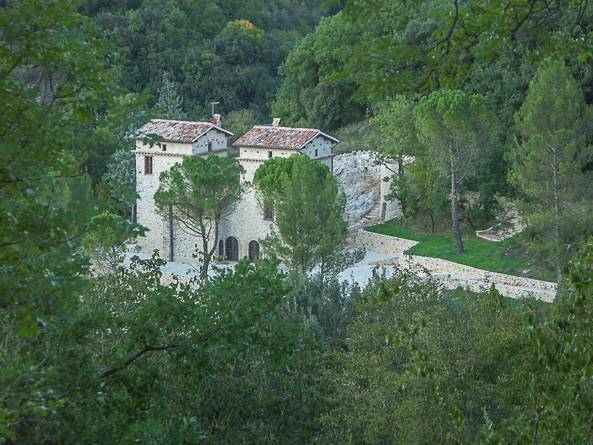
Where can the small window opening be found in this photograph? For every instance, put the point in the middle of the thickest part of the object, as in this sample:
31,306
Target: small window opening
147,165
268,211
315,152
270,154
209,146
164,147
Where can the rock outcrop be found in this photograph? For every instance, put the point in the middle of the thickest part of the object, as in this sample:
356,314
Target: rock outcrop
359,176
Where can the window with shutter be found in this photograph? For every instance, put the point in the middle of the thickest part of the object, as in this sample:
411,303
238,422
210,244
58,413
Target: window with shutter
147,165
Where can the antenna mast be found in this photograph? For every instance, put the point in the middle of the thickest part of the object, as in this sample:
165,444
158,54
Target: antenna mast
212,104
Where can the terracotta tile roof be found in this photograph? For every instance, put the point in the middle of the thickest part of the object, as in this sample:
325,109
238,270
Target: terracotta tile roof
265,136
178,131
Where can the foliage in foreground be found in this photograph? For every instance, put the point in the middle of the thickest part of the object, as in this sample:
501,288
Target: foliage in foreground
308,214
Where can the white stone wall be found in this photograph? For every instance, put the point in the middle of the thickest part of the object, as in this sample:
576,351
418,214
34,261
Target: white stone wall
165,147
216,137
384,244
247,223
261,155
321,144
146,187
158,236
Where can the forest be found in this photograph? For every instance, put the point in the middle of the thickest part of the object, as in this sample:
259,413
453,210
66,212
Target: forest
484,105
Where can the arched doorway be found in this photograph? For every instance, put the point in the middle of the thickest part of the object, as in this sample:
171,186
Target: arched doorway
253,251
231,247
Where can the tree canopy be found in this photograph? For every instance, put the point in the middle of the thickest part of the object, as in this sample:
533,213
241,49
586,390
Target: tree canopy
308,213
196,195
549,162
456,128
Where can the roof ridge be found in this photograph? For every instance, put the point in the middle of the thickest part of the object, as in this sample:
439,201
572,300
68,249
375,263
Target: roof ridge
179,120
286,128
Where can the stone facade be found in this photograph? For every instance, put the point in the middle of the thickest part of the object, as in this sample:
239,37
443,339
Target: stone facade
246,223
163,156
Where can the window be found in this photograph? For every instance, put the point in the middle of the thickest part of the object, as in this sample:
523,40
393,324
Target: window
221,249
164,147
270,154
316,153
232,249
209,146
253,251
268,211
147,165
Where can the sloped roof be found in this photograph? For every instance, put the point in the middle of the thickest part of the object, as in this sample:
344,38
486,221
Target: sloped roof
265,136
178,131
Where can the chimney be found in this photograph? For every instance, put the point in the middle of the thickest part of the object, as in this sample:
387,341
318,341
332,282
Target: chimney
276,122
215,119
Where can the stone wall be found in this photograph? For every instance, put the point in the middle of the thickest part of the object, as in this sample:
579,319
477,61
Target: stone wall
453,274
384,244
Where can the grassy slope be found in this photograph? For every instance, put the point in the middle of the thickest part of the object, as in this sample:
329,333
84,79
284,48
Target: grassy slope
478,252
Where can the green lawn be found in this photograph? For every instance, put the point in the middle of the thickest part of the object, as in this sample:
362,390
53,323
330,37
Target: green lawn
478,253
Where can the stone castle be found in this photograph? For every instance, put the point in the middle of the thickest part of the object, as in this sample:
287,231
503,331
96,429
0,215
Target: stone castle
242,230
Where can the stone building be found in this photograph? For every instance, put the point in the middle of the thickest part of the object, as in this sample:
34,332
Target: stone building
240,233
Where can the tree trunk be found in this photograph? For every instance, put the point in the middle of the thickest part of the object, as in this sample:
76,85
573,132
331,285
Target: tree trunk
171,241
205,253
557,234
455,212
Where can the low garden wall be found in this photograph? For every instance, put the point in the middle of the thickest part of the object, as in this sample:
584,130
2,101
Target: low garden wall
384,244
453,274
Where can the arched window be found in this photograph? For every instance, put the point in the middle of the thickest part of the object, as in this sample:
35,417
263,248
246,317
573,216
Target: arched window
253,251
231,248
221,248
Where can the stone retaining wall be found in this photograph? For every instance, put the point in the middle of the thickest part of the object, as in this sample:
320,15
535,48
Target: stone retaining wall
453,274
384,244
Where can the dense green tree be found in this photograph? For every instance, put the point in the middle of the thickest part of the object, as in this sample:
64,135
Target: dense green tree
56,88
310,94
427,44
424,191
457,129
119,181
396,135
549,162
196,195
424,365
560,390
169,105
203,48
240,122
308,213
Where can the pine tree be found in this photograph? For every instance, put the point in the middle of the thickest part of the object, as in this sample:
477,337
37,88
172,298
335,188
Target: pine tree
554,123
169,104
